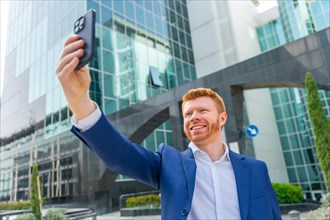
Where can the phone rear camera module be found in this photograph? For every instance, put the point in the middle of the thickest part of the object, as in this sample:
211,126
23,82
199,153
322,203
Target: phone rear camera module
79,25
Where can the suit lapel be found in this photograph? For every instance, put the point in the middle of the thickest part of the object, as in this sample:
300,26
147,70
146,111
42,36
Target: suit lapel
242,176
189,166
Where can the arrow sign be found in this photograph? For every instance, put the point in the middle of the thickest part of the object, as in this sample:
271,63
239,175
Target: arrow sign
251,131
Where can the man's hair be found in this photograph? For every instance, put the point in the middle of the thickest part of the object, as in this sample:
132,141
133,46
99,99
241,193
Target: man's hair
204,92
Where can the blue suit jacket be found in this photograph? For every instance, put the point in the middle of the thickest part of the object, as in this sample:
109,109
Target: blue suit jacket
173,173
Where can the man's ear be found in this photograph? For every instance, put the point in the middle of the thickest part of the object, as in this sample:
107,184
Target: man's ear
223,118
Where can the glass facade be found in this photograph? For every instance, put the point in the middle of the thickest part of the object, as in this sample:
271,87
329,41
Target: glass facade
297,19
300,18
271,35
297,138
143,48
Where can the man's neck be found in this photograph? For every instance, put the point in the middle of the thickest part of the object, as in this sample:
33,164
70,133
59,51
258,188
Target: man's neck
215,150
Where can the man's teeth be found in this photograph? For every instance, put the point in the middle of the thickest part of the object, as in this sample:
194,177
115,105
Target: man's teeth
197,127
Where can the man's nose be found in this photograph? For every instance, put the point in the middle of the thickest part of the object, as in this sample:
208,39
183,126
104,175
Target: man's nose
194,116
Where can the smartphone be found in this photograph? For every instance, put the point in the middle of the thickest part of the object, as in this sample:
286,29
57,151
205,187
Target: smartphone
85,28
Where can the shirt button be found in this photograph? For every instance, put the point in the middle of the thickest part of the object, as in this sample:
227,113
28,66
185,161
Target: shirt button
184,212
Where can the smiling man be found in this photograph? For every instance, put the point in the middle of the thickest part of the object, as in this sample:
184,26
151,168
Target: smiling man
206,181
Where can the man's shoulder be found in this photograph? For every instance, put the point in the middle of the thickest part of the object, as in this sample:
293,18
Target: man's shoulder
168,149
246,159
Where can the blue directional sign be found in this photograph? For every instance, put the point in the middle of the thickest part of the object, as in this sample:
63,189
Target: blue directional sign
251,131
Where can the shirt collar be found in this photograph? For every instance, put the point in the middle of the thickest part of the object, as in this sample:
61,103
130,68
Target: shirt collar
195,149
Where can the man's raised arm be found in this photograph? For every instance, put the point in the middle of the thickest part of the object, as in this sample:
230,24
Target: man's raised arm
75,83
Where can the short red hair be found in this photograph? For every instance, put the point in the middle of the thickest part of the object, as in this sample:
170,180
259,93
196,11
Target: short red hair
204,92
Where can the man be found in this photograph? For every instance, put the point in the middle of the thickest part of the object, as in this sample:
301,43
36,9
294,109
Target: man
206,181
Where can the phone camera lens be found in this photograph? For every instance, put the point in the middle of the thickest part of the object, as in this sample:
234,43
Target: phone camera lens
76,29
76,23
82,21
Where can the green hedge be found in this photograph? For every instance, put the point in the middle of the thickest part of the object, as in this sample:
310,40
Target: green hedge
28,216
287,193
143,201
21,205
55,214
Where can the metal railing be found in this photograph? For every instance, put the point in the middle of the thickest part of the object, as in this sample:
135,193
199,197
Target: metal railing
124,197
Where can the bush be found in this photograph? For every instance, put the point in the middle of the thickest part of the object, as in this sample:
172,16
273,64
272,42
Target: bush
28,216
320,213
55,214
287,193
143,201
20,205
325,201
323,212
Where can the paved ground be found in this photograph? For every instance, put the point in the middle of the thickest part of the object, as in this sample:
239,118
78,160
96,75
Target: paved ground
116,215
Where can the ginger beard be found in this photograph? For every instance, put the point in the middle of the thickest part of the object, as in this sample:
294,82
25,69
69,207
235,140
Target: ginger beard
203,135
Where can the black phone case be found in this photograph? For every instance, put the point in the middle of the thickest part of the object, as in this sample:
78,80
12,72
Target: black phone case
85,28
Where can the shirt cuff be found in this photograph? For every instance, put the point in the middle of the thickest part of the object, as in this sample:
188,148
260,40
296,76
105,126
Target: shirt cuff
87,122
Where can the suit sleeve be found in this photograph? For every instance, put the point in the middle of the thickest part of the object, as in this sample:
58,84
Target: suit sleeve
272,196
121,155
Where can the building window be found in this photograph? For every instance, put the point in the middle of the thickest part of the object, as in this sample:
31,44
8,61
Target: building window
155,79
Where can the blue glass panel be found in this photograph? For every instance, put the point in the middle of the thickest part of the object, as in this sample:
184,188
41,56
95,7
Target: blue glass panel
118,7
95,6
140,16
130,11
109,86
298,158
148,5
110,106
159,26
150,142
260,32
106,17
281,127
292,175
107,3
107,38
288,159
150,21
155,77
302,174
294,143
278,113
285,142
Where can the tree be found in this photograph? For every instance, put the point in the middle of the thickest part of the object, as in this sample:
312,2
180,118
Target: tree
321,126
36,201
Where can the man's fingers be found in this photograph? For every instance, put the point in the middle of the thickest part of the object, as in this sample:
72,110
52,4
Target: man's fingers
71,39
67,60
72,47
71,66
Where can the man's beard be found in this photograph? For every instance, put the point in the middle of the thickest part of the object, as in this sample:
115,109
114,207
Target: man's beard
214,128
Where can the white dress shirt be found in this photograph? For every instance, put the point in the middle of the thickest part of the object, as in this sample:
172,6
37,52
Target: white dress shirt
215,193
87,122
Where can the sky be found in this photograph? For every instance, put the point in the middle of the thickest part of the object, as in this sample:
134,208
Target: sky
3,32
264,5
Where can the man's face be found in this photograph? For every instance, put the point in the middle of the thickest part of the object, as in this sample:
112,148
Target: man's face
202,121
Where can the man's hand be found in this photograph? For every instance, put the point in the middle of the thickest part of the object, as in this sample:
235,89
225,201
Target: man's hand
75,83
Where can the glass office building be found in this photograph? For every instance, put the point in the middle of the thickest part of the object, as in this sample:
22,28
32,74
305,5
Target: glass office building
271,35
143,48
297,19
300,18
297,138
